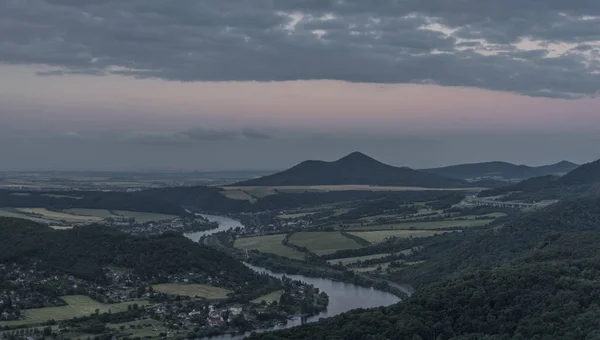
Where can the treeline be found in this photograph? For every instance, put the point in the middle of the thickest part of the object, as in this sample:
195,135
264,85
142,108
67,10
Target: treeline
84,251
89,199
535,278
210,199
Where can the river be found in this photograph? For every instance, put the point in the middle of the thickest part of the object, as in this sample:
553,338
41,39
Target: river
343,297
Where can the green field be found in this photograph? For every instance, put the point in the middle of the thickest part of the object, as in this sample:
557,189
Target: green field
382,235
60,216
9,212
238,195
423,225
275,296
77,306
62,196
322,243
90,212
270,244
349,260
192,290
292,216
149,328
143,217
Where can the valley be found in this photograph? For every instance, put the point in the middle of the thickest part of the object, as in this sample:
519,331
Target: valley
316,243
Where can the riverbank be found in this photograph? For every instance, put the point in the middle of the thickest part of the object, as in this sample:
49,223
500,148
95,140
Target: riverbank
344,295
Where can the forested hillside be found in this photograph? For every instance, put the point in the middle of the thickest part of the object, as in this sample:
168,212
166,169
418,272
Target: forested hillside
355,168
534,278
84,251
502,169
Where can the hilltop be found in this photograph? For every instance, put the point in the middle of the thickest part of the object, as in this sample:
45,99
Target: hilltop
502,170
355,168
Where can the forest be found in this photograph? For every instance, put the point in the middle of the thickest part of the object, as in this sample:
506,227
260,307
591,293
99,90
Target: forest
84,251
534,278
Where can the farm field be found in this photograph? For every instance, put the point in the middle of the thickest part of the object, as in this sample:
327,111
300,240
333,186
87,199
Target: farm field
238,195
62,196
61,227
143,217
424,225
382,235
9,212
101,213
192,290
60,216
291,216
77,306
268,244
149,328
275,296
350,260
372,268
270,190
322,243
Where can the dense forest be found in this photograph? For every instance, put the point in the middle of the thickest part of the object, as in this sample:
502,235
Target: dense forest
201,198
534,278
89,199
84,251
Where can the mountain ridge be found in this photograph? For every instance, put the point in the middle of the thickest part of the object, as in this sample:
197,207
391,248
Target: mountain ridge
355,168
501,169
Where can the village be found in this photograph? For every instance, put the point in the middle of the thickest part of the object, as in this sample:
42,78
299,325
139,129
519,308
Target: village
32,297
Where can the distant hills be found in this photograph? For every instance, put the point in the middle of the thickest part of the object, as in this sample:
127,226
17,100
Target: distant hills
355,168
584,179
501,170
586,174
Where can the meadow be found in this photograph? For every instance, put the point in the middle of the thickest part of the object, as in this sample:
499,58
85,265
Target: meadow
382,235
192,290
350,260
270,244
143,217
60,216
275,296
90,212
423,225
77,306
322,243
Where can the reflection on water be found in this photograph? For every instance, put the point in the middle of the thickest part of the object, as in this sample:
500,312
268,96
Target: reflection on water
225,223
343,297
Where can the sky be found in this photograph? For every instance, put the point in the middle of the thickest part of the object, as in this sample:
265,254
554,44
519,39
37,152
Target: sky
265,84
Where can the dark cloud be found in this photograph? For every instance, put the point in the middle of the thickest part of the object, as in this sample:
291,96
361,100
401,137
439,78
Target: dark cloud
472,43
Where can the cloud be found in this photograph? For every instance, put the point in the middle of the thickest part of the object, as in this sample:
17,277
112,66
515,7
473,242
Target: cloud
536,48
195,135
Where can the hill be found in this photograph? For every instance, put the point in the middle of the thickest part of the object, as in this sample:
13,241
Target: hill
586,174
583,180
535,278
355,168
84,251
502,170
